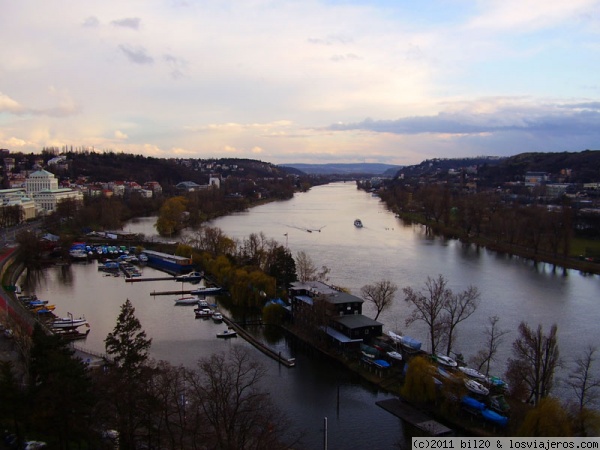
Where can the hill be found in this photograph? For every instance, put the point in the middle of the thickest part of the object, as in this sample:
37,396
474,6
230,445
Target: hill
345,169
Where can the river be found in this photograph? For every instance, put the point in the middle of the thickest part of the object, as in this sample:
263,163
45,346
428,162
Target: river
385,248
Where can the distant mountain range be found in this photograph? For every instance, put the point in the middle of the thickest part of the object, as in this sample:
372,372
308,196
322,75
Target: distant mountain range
345,169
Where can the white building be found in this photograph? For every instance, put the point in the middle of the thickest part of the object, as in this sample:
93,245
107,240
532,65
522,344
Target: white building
39,181
48,199
18,197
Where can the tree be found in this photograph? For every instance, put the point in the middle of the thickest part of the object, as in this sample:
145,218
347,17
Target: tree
129,377
585,386
171,216
381,294
282,267
458,307
547,419
307,271
418,384
429,306
224,392
128,345
536,359
494,338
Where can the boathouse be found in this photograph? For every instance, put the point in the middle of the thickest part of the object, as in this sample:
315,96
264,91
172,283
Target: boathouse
339,314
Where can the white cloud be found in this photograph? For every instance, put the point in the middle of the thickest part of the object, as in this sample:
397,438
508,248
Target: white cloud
120,135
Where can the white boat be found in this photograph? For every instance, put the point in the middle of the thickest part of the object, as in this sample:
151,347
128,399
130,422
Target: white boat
191,300
192,277
217,317
229,333
69,322
206,291
78,253
395,337
445,360
476,387
395,355
358,223
472,373
143,257
202,303
203,312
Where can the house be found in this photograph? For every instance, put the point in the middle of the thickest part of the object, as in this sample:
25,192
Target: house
337,313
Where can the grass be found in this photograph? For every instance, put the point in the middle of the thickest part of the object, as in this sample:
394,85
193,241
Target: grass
586,247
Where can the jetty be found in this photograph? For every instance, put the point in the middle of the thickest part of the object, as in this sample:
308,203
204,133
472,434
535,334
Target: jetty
414,417
138,279
287,362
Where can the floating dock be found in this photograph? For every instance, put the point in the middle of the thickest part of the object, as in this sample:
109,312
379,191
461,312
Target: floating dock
414,417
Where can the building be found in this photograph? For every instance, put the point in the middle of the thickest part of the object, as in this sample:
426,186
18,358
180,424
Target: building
48,200
39,181
18,197
337,313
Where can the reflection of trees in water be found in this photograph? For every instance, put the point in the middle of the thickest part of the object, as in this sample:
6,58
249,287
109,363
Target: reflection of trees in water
66,275
31,279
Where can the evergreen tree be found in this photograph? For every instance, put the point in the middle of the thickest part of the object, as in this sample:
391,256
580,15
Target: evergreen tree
128,345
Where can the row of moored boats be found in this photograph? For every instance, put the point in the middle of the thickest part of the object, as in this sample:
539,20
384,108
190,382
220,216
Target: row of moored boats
67,327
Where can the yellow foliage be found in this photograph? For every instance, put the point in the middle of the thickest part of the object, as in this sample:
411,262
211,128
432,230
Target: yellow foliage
418,384
548,418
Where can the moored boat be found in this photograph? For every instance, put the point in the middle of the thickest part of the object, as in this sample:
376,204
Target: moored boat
228,333
476,387
394,355
206,291
445,360
472,373
203,313
191,300
358,223
217,317
68,322
409,344
192,277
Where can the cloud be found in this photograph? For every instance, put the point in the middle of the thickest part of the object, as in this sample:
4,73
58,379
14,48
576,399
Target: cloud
565,119
331,40
129,22
346,57
91,22
137,55
66,106
120,135
9,105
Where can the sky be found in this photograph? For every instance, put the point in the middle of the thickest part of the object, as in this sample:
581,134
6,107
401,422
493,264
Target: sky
301,81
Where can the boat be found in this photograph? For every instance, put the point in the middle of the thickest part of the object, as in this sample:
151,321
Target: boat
498,383
142,258
472,373
395,337
191,300
166,262
494,417
368,351
217,317
476,387
78,254
203,313
228,333
445,360
472,404
358,223
409,344
394,355
192,277
69,322
202,303
381,363
206,291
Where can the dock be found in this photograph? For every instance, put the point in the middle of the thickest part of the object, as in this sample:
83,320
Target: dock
287,362
137,279
414,417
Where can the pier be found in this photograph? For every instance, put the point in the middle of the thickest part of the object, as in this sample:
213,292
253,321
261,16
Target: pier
414,417
287,362
137,279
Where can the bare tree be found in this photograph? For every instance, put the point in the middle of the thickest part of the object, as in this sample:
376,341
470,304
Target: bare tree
582,380
536,359
494,338
381,294
238,415
308,271
429,307
459,307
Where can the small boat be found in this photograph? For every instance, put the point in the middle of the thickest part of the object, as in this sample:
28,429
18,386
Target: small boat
206,291
192,277
409,344
142,257
476,388
358,223
395,337
202,303
69,322
368,352
217,317
494,417
472,373
191,300
445,360
395,355
498,383
203,313
381,363
472,404
229,333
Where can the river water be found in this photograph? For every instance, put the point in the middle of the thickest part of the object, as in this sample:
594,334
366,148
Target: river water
320,223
